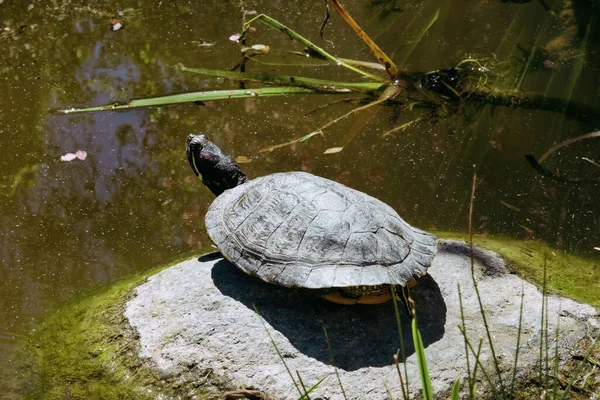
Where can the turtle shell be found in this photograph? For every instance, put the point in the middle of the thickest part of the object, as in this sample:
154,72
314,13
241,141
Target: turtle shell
295,229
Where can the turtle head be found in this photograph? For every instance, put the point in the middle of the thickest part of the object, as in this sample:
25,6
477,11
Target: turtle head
216,168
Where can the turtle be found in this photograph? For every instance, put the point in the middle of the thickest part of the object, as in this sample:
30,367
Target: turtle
299,230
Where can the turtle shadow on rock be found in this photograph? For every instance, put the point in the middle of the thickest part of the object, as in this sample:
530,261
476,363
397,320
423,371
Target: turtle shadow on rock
360,335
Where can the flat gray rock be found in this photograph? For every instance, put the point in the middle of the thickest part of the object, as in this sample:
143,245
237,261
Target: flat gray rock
197,318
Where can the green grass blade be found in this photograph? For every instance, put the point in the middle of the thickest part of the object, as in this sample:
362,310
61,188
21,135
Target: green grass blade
456,389
556,358
422,361
476,286
265,19
297,140
514,376
305,395
333,363
299,81
194,97
541,372
313,387
464,327
405,392
278,352
478,364
579,367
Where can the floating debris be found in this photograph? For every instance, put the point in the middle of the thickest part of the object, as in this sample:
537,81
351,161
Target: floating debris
202,43
116,25
255,49
79,154
242,160
234,38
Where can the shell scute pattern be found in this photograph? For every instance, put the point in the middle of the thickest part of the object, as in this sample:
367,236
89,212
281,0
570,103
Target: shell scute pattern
319,243
297,229
256,229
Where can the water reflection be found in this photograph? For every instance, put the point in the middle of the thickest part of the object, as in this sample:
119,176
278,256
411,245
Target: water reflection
134,203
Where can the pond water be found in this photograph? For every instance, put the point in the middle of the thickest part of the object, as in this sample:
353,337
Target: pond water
68,227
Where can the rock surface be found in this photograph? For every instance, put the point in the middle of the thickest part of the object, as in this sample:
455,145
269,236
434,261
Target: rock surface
197,318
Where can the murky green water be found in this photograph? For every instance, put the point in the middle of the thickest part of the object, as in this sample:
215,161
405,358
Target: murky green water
68,227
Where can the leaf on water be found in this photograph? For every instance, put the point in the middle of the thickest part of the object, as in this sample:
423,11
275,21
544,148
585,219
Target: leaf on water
261,47
242,160
193,97
333,150
300,81
234,38
79,154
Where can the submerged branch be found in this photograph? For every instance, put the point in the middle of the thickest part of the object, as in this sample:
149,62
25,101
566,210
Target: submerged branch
551,175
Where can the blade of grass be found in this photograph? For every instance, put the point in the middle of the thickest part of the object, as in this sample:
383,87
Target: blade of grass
456,389
297,140
546,329
579,367
402,127
464,327
475,285
397,364
541,375
316,385
379,54
514,376
305,395
478,363
194,97
421,359
405,393
277,350
387,391
556,359
333,363
474,374
299,81
265,19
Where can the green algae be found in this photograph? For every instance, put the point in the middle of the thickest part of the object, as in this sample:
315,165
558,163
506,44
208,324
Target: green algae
87,350
569,275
